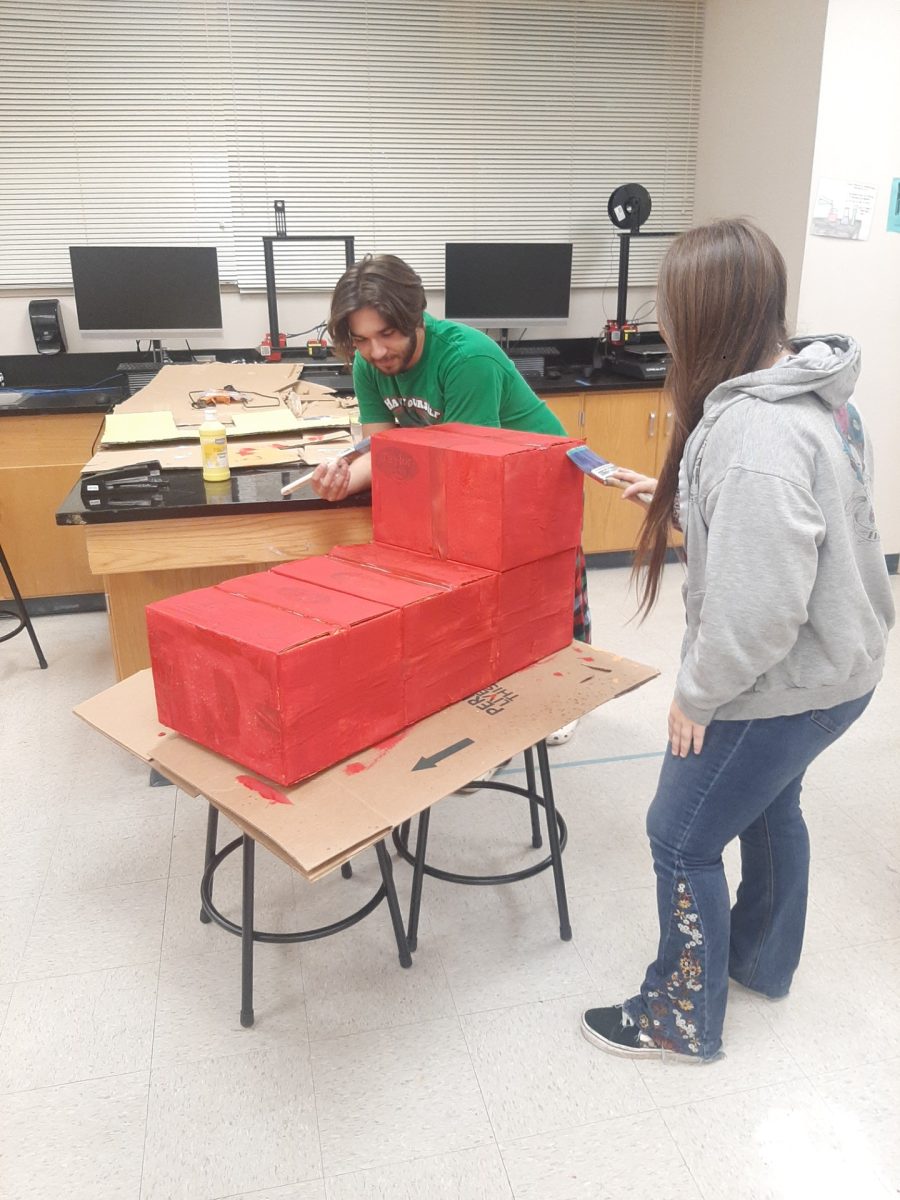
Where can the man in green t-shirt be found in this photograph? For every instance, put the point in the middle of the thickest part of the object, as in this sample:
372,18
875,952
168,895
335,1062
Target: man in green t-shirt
411,369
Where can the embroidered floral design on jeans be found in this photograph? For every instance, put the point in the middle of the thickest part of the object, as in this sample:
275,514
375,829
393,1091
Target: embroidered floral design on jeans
673,1006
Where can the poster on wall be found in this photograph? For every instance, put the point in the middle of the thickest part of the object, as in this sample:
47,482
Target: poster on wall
843,210
893,221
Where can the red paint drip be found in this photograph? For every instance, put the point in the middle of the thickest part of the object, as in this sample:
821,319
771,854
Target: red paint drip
558,674
245,450
264,789
162,733
379,752
391,742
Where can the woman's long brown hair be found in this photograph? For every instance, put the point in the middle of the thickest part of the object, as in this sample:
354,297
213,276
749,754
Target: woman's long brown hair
720,299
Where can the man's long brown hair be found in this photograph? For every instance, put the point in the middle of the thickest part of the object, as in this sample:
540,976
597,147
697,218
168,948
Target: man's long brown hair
720,299
383,282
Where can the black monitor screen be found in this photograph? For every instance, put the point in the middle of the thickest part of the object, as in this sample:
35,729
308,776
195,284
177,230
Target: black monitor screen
507,283
146,287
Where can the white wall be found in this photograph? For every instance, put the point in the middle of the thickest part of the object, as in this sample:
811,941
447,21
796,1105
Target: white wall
854,287
758,103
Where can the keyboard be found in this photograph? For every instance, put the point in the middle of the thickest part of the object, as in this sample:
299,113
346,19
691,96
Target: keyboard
520,349
140,366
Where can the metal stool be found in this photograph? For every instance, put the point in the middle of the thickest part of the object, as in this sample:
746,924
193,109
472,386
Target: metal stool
557,836
249,935
21,613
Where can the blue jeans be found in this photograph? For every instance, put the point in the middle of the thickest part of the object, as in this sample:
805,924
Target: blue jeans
745,783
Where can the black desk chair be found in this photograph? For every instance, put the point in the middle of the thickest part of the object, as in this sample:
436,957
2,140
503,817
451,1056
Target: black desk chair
20,615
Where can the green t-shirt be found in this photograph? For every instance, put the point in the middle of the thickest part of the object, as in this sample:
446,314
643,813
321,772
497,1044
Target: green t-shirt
462,376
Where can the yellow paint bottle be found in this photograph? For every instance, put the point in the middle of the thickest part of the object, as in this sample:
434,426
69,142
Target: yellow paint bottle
213,447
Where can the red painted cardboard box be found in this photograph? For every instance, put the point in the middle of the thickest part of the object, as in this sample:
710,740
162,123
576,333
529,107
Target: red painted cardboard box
535,611
450,644
533,602
490,498
280,676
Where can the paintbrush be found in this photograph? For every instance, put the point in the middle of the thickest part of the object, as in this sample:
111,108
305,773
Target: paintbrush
601,469
350,453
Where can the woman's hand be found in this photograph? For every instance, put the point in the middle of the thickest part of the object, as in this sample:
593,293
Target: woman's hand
639,488
332,480
684,735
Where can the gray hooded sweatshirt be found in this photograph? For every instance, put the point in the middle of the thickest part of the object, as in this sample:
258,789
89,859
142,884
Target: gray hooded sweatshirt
787,594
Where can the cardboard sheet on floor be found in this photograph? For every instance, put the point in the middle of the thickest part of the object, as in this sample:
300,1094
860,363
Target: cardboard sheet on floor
324,821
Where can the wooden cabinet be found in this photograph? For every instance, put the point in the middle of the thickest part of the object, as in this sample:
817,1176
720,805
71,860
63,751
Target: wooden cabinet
40,459
631,428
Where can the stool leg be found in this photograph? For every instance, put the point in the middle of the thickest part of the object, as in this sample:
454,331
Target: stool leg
247,935
415,901
565,929
212,829
347,870
23,611
536,840
387,875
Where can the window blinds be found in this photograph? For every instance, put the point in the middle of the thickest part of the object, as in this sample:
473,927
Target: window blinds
404,124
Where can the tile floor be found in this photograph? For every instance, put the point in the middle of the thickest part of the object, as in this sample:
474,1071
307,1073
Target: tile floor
125,1074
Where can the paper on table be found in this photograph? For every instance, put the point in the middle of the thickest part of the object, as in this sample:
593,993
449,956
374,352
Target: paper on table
124,428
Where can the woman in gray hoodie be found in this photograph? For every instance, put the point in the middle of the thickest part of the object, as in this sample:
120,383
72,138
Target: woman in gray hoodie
788,603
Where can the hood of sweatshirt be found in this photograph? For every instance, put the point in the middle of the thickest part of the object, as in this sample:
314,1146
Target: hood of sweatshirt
826,367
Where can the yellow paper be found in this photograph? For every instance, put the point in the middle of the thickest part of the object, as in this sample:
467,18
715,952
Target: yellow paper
279,420
126,428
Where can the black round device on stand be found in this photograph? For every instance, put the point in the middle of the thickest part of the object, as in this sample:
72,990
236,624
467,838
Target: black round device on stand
629,206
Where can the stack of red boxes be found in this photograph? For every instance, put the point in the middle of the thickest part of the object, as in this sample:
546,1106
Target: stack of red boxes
470,577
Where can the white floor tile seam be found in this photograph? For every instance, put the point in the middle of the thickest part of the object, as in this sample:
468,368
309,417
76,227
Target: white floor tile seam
315,1043
162,930
418,1158
315,1105
817,1079
77,1082
140,962
853,814
626,1065
57,893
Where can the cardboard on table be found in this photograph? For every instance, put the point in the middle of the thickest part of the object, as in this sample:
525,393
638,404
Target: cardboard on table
171,388
463,614
322,822
307,450
281,676
490,498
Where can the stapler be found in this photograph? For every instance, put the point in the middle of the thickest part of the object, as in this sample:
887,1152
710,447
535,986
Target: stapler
140,484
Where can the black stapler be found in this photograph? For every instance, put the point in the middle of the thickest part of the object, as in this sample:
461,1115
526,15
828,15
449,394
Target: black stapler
139,485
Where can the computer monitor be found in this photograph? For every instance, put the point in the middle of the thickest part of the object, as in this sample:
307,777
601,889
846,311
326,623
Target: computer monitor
149,290
504,284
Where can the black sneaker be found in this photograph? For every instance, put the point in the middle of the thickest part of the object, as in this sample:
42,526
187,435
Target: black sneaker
614,1031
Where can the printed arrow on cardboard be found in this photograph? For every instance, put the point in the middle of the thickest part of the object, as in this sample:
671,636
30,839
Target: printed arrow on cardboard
425,764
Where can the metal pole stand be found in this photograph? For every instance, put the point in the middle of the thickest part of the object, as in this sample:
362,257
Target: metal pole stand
246,932
21,613
557,836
